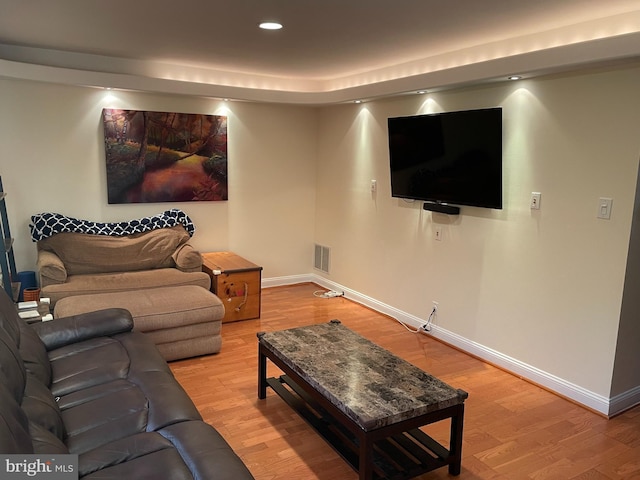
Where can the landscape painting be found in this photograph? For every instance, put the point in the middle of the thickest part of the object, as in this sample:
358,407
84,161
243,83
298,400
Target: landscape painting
165,157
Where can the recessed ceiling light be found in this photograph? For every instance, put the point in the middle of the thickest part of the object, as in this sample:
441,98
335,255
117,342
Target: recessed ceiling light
270,26
357,101
421,92
514,77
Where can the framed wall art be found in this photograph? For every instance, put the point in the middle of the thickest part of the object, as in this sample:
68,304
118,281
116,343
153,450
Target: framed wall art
165,157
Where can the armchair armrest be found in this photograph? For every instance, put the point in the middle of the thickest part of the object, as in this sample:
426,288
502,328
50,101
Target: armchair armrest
77,328
187,258
51,268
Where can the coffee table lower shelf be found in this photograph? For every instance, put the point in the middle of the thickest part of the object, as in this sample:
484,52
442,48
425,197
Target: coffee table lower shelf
397,457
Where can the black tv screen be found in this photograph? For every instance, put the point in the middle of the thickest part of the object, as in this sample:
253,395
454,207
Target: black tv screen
450,158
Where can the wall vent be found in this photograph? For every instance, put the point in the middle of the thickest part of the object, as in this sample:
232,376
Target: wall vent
321,258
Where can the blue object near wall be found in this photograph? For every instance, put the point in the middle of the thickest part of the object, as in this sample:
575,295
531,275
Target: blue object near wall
27,280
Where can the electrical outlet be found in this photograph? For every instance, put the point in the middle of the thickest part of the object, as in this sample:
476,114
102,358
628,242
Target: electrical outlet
438,233
432,316
535,200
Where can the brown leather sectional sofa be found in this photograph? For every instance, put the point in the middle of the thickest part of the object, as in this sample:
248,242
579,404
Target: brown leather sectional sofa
89,385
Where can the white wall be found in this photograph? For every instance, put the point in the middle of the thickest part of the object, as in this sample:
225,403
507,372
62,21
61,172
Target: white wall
543,287
53,161
626,374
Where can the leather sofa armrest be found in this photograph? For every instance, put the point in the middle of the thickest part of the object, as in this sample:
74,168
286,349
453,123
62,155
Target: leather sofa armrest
77,328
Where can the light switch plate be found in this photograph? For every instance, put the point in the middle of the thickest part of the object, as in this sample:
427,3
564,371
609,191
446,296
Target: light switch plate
604,207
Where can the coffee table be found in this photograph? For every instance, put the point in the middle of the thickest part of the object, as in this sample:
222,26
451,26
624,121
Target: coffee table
366,402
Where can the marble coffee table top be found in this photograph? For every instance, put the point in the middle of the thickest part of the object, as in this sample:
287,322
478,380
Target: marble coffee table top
367,383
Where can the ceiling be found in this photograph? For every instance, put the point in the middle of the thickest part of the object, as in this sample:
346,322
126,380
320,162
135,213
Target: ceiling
328,51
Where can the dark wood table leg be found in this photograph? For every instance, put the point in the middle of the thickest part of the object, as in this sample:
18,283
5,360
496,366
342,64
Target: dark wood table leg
262,374
365,458
456,441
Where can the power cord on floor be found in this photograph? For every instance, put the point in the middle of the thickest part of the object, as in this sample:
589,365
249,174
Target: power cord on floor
423,328
246,296
327,294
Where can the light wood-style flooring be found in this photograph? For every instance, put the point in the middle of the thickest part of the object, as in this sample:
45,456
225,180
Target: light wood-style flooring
513,429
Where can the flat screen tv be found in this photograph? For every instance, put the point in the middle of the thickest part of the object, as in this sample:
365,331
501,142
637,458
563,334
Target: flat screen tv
448,158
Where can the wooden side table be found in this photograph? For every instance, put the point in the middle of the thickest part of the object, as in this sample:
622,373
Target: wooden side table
237,282
35,314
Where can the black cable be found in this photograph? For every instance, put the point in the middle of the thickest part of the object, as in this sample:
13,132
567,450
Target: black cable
426,326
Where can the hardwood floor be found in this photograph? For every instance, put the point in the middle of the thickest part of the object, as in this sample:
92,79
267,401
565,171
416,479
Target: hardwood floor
513,429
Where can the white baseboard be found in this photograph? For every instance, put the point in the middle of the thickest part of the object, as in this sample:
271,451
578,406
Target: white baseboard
556,384
601,404
288,280
624,401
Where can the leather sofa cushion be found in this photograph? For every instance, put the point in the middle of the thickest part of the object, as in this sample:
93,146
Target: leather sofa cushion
14,425
41,407
101,360
44,441
120,451
12,371
34,354
125,379
121,402
85,253
145,454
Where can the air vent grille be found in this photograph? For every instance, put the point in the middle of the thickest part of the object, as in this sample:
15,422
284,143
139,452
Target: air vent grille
321,258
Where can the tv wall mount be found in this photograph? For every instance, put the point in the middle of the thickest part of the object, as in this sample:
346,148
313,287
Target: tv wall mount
441,208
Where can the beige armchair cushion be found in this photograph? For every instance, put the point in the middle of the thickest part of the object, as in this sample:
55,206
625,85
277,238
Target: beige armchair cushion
87,254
